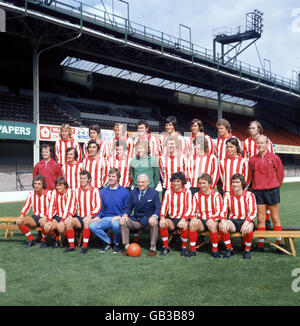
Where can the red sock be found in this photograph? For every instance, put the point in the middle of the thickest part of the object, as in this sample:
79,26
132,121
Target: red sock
268,215
71,238
214,239
226,240
164,233
248,241
85,237
261,240
184,237
193,235
136,238
25,229
277,228
43,235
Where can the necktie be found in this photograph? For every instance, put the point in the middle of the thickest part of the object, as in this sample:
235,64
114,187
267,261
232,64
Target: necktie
141,195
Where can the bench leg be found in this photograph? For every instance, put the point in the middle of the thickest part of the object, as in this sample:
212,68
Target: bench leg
291,241
278,247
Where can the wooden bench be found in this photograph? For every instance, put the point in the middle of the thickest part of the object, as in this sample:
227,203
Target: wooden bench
9,225
288,234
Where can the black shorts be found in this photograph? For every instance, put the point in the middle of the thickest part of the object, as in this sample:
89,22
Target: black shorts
239,223
175,221
267,196
36,220
80,219
204,224
57,218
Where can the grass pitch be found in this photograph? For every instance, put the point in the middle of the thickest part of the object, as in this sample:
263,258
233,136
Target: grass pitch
49,277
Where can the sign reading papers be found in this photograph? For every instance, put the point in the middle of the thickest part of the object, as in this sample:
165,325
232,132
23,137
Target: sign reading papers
17,130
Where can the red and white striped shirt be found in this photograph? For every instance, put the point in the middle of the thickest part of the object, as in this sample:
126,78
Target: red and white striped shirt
123,165
88,201
220,146
182,148
60,149
38,202
250,148
191,149
230,166
71,172
239,207
62,204
203,164
111,146
98,169
207,206
177,204
153,144
169,165
103,151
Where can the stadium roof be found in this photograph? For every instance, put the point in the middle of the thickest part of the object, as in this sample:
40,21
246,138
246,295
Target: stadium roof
98,68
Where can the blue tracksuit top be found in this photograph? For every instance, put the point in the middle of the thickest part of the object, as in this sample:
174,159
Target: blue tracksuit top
113,201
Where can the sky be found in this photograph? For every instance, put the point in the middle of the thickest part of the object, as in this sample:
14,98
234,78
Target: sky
278,48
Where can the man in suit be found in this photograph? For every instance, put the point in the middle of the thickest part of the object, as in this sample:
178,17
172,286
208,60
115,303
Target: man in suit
146,205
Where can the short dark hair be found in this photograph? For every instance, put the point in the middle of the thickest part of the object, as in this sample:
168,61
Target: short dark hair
85,172
234,141
171,119
143,122
95,128
178,176
240,177
93,142
39,177
205,176
199,123
69,149
45,145
61,180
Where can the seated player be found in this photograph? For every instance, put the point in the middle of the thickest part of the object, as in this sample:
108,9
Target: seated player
175,211
62,206
240,204
207,205
39,200
71,170
114,199
88,205
202,162
145,203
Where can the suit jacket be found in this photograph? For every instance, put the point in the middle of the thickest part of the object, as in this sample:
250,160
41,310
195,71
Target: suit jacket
149,205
